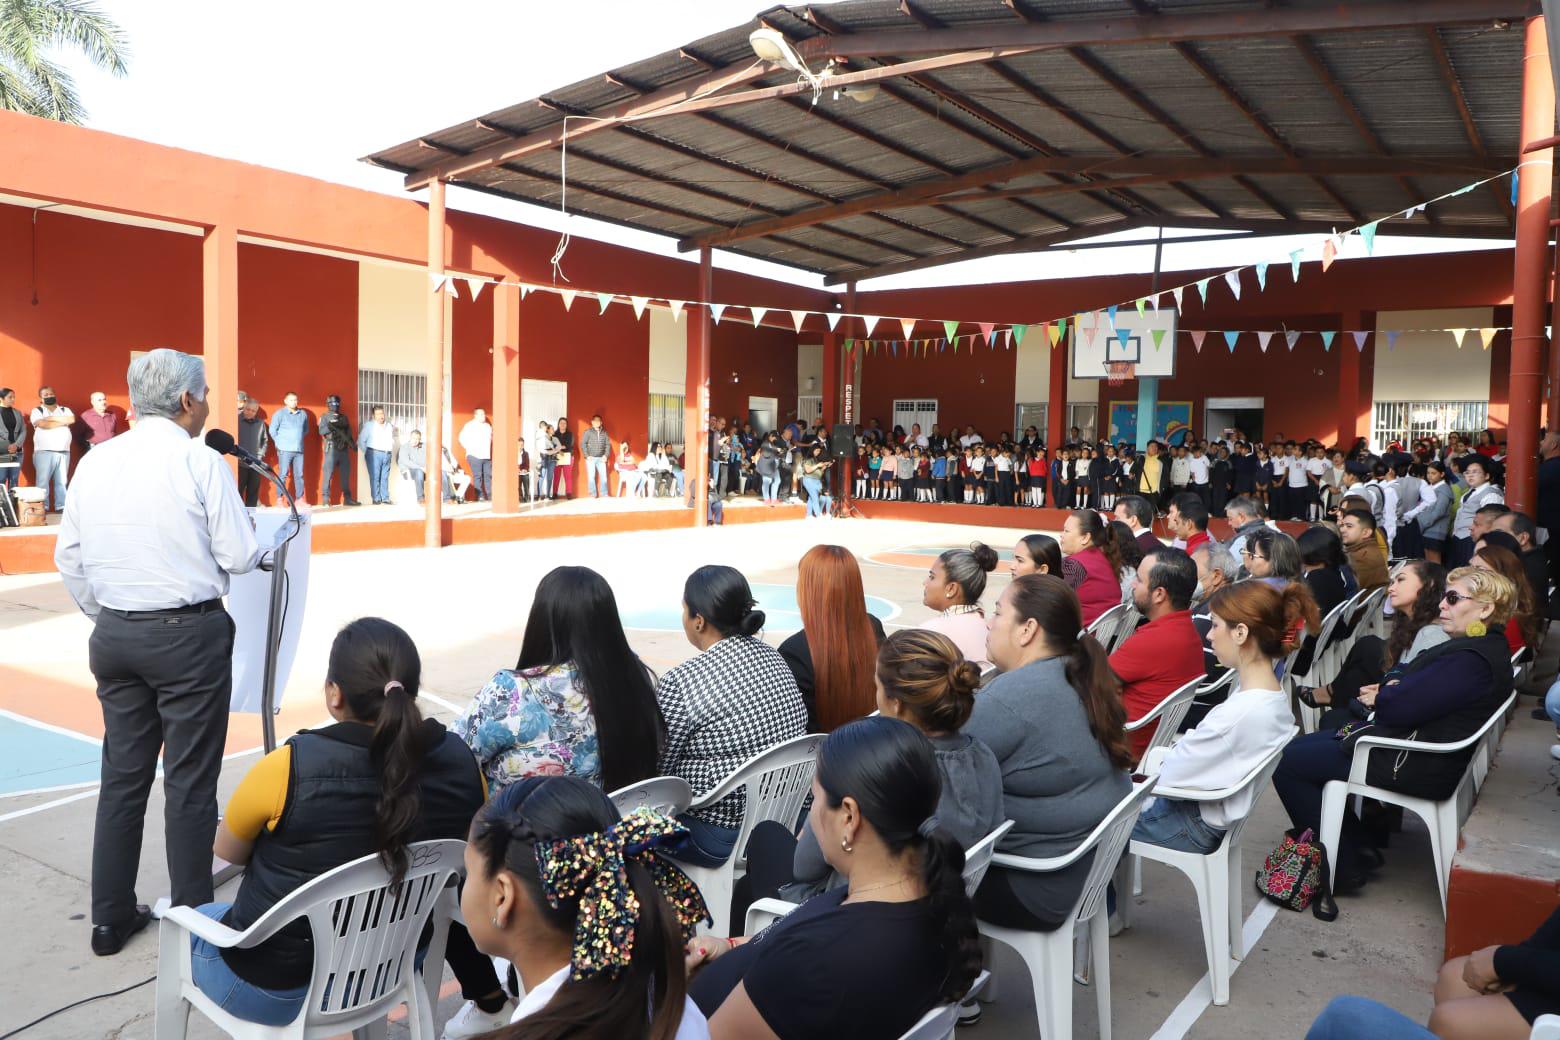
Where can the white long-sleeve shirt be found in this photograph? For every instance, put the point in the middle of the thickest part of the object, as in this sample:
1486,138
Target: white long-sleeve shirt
476,438
153,521
1225,746
1389,507
1426,500
380,436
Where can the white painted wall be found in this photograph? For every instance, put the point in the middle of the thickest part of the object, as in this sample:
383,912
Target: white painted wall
809,365
1428,366
668,352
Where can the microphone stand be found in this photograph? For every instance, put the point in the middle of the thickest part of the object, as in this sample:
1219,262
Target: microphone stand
277,565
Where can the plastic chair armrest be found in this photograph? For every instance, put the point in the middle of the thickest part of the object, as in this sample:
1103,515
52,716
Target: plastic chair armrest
1187,794
196,923
1154,759
1036,866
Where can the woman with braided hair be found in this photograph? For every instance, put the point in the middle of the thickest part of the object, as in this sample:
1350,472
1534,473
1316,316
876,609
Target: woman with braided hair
585,907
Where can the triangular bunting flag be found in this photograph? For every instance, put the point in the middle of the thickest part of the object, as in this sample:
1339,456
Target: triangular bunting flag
758,315
986,327
1019,330
1159,337
1061,327
908,324
1007,338
524,289
435,282
1110,313
833,318
605,299
850,346
474,286
1230,336
1142,301
1232,279
1176,292
1202,288
1457,336
1329,253
1197,339
1359,341
1052,333
677,308
1327,338
568,298
942,345
1465,189
639,303
1294,264
951,328
1262,340
1123,335
1368,233
1291,337
1514,175
991,338
716,310
870,322
797,317
1486,336
1392,335
1262,277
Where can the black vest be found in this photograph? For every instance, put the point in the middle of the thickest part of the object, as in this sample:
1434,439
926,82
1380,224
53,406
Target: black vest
1436,776
328,820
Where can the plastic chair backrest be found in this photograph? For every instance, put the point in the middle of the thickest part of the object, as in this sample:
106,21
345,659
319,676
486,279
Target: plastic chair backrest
1108,840
665,794
1130,621
365,931
1324,635
939,1022
978,857
1546,1028
1169,712
1103,628
776,783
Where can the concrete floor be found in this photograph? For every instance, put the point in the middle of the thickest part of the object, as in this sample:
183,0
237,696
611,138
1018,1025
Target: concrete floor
466,607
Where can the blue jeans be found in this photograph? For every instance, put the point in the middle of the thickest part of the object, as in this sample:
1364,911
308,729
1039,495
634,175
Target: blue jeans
596,476
1177,825
816,500
706,844
232,994
1552,703
1356,1018
481,477
772,488
544,479
378,474
49,468
291,461
9,475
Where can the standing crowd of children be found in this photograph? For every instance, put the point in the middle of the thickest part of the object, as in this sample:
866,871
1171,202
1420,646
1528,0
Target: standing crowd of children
997,474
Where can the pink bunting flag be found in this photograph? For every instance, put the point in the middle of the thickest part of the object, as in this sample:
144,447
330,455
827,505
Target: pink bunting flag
1197,339
1329,253
986,327
1262,340
797,317
908,324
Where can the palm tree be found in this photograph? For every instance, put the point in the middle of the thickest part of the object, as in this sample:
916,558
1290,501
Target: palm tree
29,81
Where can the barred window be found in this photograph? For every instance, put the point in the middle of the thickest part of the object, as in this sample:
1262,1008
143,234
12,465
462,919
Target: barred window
1407,421
403,396
666,418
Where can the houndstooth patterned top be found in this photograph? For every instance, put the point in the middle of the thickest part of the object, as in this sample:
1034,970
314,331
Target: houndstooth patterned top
723,707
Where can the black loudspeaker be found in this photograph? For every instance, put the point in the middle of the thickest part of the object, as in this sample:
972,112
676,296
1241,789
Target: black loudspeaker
842,442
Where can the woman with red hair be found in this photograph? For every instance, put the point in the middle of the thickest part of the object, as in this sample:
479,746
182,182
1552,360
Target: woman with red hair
832,656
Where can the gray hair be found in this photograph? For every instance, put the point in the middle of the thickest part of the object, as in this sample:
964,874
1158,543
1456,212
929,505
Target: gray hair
243,398
1220,559
159,378
1246,506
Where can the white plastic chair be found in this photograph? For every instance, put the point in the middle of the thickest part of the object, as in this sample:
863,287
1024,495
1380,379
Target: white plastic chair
1169,713
670,795
776,783
1216,877
1129,624
977,858
1442,818
938,1023
1049,955
1546,1028
1104,627
365,942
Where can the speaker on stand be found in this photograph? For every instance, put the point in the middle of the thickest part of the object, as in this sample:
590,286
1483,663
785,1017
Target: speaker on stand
842,445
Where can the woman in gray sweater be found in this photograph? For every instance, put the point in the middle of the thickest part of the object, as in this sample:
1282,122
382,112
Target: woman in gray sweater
1054,720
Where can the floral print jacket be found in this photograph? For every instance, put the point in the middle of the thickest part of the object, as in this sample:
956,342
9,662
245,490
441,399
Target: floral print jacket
531,723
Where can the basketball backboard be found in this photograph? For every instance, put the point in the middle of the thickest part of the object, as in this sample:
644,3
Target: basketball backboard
1146,342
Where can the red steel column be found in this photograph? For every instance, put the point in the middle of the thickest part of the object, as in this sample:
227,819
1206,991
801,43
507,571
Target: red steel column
219,325
506,398
1348,380
1056,411
831,379
1552,421
433,439
1529,288
696,402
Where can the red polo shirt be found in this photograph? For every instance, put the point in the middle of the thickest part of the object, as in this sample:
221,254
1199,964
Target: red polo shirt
99,427
1155,661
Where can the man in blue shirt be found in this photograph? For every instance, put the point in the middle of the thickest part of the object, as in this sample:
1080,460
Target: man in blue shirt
287,429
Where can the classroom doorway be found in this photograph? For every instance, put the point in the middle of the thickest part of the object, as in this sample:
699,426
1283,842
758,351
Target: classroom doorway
1223,416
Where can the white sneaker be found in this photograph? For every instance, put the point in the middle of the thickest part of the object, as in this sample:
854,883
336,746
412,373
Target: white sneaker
471,1020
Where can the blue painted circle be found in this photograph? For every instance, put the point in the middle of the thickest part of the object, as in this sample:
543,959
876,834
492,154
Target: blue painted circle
778,602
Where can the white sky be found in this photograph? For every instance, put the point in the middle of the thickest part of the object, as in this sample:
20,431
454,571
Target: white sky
312,85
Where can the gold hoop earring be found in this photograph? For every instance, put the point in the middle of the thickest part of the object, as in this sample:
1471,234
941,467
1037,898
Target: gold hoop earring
846,845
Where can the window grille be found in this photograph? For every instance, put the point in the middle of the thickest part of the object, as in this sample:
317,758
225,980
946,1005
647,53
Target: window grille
403,396
1407,421
666,418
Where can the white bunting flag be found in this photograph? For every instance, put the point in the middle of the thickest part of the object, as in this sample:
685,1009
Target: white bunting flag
833,319
568,298
526,290
716,310
1262,340
1176,292
639,302
1486,337
758,315
1232,279
677,308
1291,337
908,324
605,299
797,317
474,286
1457,336
870,321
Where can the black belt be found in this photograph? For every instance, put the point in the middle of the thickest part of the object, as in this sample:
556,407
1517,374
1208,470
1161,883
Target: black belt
210,606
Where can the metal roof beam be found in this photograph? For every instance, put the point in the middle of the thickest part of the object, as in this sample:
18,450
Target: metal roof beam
1443,62
1031,244
1167,28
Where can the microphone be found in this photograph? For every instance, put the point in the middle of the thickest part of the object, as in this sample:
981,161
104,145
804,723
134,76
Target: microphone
222,442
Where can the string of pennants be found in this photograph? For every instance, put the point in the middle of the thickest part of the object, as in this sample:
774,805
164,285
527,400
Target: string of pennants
1011,334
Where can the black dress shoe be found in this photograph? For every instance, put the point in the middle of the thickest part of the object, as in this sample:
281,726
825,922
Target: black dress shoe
352,502
109,939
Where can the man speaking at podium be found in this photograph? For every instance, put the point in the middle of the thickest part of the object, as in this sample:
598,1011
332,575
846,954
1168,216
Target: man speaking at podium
152,529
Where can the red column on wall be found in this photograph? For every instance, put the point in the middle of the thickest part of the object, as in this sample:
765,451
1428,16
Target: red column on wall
506,398
1348,379
1529,276
219,320
831,378
1056,410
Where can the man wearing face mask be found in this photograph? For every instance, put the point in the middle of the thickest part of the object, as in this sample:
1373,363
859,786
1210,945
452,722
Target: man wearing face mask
51,423
336,432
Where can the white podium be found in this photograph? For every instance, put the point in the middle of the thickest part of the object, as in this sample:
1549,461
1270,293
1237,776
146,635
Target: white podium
250,604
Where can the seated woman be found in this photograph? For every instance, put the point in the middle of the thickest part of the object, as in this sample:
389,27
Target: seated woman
1272,557
953,587
543,857
1131,553
1523,629
378,779
1496,993
1086,541
733,699
1251,630
1054,720
1415,595
1040,554
1444,695
866,960
630,478
1323,568
578,702
921,679
831,656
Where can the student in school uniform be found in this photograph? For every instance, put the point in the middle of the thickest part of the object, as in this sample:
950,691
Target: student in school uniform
1061,479
977,478
940,476
1020,476
1099,468
1037,471
1004,463
904,471
1081,477
923,476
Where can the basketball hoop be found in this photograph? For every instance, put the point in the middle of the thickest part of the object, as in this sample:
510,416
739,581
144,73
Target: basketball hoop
1118,372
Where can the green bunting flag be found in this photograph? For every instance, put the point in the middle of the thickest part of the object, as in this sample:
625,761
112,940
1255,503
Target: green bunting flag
1262,277
1294,264
1019,330
1141,302
1159,337
951,328
1202,287
1368,233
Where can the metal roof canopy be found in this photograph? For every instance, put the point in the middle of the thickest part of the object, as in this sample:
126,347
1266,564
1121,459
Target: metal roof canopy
1006,126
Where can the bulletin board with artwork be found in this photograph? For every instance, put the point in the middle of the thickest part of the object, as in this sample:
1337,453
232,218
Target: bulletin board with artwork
1172,422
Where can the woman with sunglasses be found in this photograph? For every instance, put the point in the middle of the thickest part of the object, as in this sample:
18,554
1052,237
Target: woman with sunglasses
1442,696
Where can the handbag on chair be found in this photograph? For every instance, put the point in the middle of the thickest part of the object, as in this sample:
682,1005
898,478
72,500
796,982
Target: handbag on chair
1295,876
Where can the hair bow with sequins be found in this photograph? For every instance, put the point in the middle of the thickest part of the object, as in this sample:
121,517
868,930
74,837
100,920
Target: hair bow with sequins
593,869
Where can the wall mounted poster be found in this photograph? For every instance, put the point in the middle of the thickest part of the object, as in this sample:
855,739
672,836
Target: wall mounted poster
1172,421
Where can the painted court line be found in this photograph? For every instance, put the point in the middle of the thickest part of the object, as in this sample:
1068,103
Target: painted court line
50,727
1200,999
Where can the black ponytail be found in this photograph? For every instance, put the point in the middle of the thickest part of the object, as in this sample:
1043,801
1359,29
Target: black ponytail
723,598
890,769
375,665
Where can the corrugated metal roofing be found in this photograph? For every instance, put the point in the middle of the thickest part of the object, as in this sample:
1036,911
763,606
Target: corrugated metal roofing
697,174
